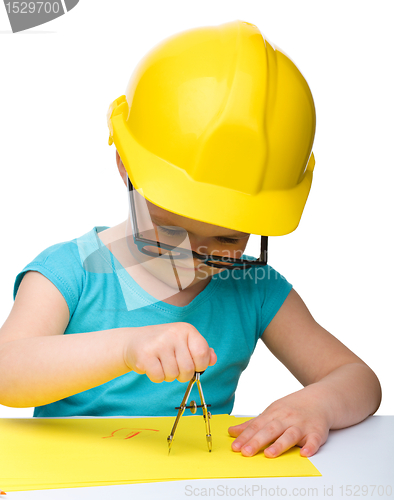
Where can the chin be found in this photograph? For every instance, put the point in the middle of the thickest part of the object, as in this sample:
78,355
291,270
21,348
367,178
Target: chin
167,276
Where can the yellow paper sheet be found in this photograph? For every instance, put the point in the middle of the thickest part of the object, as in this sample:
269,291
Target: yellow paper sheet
67,453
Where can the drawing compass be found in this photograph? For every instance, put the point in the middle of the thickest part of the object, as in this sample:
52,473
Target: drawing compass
193,408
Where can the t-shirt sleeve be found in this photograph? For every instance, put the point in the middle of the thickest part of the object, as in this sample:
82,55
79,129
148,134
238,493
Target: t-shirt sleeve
275,290
61,264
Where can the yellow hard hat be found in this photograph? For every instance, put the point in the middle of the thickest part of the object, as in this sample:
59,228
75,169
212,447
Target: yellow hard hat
217,125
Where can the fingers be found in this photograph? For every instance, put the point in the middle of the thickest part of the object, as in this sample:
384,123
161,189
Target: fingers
235,430
159,368
184,362
256,435
213,357
171,364
313,443
168,352
178,361
287,440
153,370
252,436
180,365
199,350
191,353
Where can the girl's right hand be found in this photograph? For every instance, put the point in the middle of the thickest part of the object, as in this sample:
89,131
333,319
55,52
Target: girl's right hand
167,352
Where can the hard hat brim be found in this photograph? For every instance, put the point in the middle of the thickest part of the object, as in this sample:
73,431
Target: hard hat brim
269,213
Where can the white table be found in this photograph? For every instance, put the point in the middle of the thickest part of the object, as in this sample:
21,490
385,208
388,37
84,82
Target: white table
356,462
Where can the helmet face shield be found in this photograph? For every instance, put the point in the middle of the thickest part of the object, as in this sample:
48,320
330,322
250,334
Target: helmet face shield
170,242
164,241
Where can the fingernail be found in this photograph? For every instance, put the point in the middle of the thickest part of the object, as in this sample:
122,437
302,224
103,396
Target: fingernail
271,450
236,446
305,451
248,450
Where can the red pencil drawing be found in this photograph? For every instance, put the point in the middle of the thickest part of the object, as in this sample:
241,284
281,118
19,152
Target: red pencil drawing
135,432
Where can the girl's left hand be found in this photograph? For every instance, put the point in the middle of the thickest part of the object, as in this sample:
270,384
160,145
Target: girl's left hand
300,419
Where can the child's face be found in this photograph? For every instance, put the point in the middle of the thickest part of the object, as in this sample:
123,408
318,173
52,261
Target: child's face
204,238
201,237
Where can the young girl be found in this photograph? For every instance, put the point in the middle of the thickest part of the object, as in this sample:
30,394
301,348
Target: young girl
214,143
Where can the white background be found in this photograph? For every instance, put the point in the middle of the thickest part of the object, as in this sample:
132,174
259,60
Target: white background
58,177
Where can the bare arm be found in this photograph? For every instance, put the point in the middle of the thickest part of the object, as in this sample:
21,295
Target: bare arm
340,389
322,363
40,365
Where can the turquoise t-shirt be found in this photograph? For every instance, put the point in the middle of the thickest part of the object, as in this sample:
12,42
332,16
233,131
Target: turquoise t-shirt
231,313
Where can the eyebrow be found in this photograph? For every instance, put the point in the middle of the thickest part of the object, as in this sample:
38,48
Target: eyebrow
166,223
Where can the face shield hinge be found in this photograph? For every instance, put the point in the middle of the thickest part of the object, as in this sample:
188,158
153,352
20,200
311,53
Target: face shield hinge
264,250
